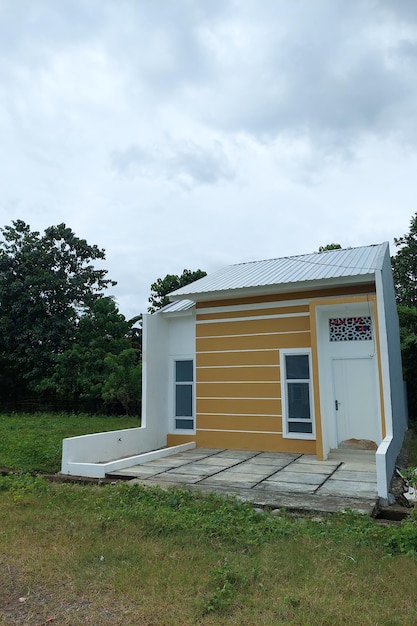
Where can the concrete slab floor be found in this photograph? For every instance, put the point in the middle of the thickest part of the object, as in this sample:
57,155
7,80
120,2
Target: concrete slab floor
352,476
172,477
237,454
312,460
344,479
298,477
304,468
285,487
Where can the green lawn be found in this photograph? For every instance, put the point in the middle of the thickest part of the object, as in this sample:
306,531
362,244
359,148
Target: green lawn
128,555
33,442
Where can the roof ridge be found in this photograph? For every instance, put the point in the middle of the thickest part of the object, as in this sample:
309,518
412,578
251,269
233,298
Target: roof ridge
360,261
299,256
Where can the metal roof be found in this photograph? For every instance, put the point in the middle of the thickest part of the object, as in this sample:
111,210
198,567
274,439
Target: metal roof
177,307
327,265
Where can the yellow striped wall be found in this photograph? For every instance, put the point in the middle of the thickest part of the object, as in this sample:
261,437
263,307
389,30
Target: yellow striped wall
238,388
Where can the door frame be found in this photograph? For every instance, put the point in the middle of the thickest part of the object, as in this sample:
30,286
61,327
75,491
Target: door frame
324,351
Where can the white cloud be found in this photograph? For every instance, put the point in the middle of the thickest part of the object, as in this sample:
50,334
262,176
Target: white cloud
190,134
183,161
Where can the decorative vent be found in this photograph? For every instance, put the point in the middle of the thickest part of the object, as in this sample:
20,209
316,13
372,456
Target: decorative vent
350,328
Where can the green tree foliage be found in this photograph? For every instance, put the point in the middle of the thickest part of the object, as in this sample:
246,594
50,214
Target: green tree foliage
123,382
61,338
164,286
408,335
81,372
404,265
46,282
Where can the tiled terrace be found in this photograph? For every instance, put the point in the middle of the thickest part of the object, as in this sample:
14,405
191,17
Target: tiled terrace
295,481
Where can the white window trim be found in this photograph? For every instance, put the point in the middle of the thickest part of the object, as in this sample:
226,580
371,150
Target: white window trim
286,434
182,431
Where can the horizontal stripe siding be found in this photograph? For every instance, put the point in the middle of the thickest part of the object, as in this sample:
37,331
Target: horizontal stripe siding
240,422
254,342
328,292
176,440
239,406
238,358
251,311
253,318
254,326
240,373
265,442
270,389
238,390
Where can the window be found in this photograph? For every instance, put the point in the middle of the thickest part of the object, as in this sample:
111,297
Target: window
184,377
350,328
296,395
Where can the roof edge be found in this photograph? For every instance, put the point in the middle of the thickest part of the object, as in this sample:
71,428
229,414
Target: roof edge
264,290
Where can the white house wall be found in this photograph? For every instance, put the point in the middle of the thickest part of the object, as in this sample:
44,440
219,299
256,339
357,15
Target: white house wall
393,347
393,385
181,345
155,372
181,340
171,337
328,351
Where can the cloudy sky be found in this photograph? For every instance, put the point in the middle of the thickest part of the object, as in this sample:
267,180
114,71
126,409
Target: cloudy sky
198,133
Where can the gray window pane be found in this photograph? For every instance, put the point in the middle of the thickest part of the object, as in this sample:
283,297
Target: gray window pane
297,366
300,427
298,401
184,424
183,371
183,401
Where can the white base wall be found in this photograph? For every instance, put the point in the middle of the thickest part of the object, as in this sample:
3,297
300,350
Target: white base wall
386,457
96,454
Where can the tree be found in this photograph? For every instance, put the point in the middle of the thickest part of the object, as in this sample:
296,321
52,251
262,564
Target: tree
47,282
80,373
404,265
408,336
330,246
164,286
123,383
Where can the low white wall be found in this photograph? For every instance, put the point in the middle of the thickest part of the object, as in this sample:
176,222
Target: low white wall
110,446
386,457
100,470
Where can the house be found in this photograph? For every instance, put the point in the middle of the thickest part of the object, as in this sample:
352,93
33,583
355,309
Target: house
297,354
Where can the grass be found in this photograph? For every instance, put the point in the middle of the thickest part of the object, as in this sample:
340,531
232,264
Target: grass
131,555
128,555
33,442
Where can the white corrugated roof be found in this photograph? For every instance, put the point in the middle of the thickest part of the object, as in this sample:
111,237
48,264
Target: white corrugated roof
177,307
328,265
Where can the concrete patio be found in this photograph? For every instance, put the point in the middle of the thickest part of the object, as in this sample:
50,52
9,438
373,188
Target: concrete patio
347,479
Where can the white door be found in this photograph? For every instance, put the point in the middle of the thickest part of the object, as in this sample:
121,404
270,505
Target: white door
355,400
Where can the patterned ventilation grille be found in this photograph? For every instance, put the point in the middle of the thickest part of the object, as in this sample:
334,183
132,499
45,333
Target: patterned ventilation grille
350,328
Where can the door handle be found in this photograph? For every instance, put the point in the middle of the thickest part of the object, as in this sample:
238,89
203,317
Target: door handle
337,403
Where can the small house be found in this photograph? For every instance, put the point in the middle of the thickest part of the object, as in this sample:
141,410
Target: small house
295,354
298,354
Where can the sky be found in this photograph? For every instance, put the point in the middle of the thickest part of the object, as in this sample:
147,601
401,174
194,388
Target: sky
199,133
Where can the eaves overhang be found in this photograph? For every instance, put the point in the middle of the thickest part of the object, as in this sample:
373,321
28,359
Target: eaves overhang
281,288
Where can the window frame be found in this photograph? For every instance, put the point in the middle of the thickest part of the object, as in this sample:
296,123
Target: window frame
176,383
286,421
